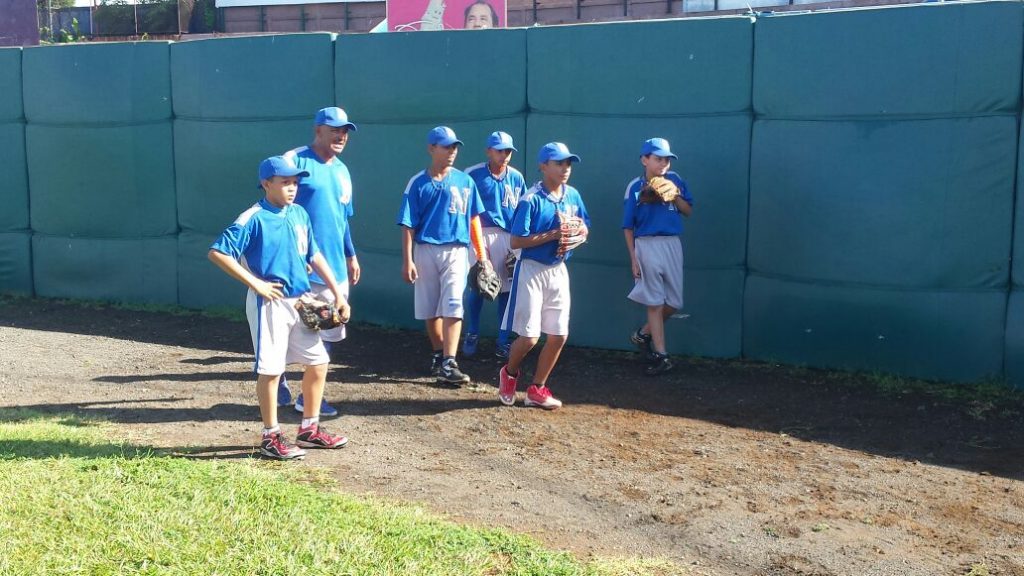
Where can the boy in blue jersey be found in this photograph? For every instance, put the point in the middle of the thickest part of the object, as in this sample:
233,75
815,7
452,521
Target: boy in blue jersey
439,219
652,232
326,194
540,300
500,186
268,248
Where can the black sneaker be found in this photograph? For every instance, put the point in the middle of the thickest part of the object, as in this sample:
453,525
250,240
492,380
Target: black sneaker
435,364
659,366
642,341
451,375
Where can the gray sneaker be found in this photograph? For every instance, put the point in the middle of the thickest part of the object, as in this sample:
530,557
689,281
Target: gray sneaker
451,375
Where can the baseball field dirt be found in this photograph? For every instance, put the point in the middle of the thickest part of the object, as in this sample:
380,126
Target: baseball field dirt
721,467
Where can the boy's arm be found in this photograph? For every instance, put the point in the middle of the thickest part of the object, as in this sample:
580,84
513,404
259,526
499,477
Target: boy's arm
320,265
409,273
268,290
532,240
354,271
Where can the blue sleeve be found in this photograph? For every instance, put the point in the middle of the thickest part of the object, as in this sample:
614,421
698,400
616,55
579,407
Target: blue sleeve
408,213
684,190
583,210
233,241
477,204
521,220
350,248
314,248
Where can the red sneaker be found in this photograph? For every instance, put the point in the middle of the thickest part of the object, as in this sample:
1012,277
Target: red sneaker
275,446
541,397
317,436
507,387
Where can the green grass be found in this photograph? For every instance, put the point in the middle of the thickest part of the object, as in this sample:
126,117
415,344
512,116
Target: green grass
77,501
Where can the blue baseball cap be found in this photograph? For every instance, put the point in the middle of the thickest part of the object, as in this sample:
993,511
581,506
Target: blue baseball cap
443,136
500,141
279,166
658,147
555,151
334,117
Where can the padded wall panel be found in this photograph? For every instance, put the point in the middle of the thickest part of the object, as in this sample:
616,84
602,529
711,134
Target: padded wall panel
16,263
127,270
955,335
109,182
279,76
908,204
1014,364
98,83
686,66
10,79
378,188
14,177
431,77
201,284
931,59
713,159
217,163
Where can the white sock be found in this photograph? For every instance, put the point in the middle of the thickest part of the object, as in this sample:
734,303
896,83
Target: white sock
271,430
307,422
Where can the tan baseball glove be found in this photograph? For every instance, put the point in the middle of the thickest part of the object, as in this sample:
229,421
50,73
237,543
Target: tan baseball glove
658,189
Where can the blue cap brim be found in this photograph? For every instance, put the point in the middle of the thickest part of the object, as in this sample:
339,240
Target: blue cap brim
292,172
349,125
663,154
448,142
505,147
572,157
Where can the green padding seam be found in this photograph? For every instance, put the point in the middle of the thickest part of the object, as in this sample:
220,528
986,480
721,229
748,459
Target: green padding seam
10,79
16,263
14,178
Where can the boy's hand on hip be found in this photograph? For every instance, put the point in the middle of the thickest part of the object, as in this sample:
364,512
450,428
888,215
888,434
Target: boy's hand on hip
269,290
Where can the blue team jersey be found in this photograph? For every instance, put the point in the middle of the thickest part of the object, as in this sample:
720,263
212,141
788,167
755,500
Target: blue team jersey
538,212
275,244
657,218
439,211
499,195
326,194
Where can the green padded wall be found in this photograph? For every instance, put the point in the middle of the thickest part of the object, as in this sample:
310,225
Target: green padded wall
935,334
1014,360
111,83
16,263
13,174
216,165
700,66
255,77
123,269
431,77
713,155
908,204
381,295
922,60
133,196
10,79
882,188
201,284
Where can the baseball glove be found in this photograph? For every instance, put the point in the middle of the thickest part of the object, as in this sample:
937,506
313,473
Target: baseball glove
317,314
658,189
484,279
572,228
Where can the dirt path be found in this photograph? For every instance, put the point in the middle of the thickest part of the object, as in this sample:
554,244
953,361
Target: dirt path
722,467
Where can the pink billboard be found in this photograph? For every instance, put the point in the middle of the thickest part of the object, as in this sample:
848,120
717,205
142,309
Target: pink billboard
406,15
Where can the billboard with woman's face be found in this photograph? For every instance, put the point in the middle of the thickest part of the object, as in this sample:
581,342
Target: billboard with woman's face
405,15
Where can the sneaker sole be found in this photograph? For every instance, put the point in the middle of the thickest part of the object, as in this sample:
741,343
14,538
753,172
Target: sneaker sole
506,400
273,456
533,404
302,444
